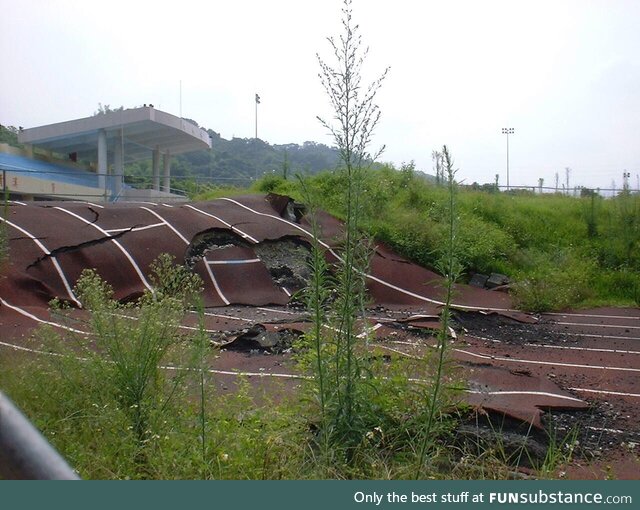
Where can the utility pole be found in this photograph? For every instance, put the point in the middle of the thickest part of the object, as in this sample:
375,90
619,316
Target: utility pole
508,131
540,184
257,103
567,171
557,180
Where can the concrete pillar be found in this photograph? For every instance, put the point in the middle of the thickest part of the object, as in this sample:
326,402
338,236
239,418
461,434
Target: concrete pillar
156,169
102,160
118,166
166,175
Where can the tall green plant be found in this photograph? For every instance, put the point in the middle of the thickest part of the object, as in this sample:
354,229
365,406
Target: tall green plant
342,372
450,267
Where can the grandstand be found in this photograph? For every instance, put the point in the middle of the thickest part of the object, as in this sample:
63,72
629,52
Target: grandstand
84,159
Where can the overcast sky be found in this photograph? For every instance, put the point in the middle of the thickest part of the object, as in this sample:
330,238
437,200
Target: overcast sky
564,74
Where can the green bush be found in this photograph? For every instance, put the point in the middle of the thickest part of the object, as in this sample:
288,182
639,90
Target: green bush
553,281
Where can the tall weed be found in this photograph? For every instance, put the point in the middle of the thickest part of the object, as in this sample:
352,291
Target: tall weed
451,269
342,377
126,347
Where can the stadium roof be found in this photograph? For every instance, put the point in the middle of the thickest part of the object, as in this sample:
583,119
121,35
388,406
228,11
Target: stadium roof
139,130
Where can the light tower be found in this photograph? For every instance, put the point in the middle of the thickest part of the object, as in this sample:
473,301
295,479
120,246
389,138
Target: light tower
257,103
508,131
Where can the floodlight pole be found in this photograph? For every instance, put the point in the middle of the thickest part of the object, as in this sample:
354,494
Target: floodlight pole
508,131
257,103
625,180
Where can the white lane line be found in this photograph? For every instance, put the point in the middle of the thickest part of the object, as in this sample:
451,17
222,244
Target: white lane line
215,283
588,349
88,203
615,337
381,319
38,319
222,316
297,376
242,234
287,312
53,259
16,202
535,362
114,241
165,222
607,392
602,429
167,205
36,351
286,291
240,373
484,339
179,326
536,393
369,330
371,277
421,317
141,202
591,315
231,262
413,344
597,325
398,351
135,229
168,367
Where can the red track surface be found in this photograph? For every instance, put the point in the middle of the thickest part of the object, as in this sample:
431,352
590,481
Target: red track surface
576,359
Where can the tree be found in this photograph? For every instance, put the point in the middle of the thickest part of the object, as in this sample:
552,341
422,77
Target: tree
436,157
285,165
103,109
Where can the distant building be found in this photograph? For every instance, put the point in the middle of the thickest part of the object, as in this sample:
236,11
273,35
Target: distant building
107,141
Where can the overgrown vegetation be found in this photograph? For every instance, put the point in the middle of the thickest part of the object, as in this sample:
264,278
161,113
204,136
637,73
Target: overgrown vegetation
559,251
127,400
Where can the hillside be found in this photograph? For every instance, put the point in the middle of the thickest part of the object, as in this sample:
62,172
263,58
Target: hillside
239,161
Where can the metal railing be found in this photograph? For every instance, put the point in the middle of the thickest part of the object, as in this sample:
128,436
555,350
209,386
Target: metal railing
24,452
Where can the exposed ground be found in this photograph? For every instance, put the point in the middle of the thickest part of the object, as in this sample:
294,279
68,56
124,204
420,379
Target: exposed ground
540,378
